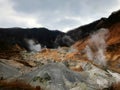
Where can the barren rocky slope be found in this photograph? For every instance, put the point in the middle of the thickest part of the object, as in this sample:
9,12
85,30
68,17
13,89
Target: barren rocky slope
91,62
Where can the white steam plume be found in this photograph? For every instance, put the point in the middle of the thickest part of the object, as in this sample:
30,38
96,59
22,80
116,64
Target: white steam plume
33,46
96,47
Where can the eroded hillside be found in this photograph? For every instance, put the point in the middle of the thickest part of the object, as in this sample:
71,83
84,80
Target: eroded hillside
86,58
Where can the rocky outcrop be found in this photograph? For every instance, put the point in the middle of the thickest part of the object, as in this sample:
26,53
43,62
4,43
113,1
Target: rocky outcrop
7,71
56,76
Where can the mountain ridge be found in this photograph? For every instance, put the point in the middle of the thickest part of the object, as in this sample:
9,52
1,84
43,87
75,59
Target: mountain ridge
53,39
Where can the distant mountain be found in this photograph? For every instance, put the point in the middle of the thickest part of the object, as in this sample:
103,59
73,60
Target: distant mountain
82,32
26,38
33,38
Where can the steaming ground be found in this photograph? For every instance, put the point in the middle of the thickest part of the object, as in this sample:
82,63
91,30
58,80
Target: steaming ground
33,46
92,63
96,47
63,68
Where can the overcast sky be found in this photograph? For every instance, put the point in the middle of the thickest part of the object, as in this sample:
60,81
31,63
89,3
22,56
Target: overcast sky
54,14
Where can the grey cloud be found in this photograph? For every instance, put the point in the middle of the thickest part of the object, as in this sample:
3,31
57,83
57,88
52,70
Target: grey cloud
65,7
51,9
66,23
51,13
59,22
30,6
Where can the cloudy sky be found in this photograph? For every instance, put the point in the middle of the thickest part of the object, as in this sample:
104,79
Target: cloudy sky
54,14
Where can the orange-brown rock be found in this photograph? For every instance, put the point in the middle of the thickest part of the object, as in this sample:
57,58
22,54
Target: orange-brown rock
17,85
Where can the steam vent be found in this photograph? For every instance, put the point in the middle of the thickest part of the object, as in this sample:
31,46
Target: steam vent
84,58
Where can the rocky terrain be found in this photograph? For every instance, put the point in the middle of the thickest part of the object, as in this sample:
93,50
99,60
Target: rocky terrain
85,58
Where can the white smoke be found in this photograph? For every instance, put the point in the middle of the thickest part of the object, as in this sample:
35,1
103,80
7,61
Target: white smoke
33,46
68,40
96,47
